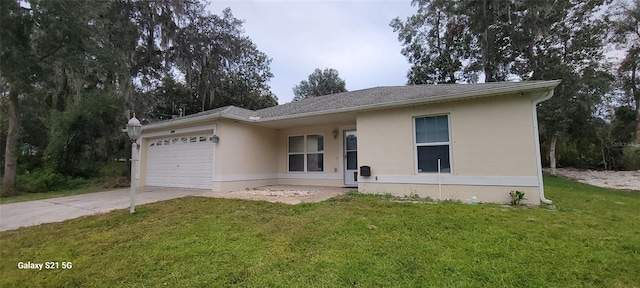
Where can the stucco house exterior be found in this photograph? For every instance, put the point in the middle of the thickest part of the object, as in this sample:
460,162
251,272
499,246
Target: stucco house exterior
440,141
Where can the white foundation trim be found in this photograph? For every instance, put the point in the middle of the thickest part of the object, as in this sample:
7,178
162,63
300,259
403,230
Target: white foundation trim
520,181
244,177
267,176
329,176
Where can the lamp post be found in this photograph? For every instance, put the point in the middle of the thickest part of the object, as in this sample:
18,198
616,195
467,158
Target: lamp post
134,128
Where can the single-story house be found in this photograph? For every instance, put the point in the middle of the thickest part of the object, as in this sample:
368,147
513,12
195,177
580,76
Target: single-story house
439,141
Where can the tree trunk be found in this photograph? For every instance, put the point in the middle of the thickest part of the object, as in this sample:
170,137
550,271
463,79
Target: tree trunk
636,97
604,158
552,153
637,123
11,147
487,62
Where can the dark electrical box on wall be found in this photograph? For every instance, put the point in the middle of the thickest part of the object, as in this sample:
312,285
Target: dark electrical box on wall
365,171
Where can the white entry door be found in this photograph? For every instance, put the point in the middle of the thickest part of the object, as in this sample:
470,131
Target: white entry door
350,158
181,161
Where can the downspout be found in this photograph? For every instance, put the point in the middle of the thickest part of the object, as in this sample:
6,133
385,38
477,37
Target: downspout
536,135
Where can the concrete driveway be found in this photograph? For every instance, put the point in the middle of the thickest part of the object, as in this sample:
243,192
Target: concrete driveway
16,215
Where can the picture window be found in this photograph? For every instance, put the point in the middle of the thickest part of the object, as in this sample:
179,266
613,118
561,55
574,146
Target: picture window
306,153
433,142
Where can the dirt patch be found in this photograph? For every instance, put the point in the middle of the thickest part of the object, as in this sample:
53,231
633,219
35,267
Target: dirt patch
628,180
288,194
276,192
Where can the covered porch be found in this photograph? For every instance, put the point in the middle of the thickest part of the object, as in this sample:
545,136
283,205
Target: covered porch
309,150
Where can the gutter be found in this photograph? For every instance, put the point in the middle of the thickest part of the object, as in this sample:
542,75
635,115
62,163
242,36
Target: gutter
534,103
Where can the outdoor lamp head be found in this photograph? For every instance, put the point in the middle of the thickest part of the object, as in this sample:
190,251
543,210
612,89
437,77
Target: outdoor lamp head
134,128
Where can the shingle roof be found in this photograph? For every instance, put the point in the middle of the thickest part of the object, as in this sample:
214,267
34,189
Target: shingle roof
372,98
232,111
389,95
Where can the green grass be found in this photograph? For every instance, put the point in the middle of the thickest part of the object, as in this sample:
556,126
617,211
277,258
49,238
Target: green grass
591,239
110,179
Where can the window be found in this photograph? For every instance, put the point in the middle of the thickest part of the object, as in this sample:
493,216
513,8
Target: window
433,143
306,153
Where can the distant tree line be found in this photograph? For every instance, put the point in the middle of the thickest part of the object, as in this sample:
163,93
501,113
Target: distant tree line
593,119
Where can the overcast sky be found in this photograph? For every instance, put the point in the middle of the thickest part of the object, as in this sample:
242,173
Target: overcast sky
350,36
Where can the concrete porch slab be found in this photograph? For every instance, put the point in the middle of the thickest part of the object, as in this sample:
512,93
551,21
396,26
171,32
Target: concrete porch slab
288,194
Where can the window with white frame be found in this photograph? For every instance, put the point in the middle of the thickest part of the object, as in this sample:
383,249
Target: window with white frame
306,153
432,140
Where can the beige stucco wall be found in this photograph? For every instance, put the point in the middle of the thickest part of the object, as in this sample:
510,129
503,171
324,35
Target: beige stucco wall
490,138
332,174
244,156
245,149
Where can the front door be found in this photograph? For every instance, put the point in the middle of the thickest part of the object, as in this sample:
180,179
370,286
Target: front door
350,158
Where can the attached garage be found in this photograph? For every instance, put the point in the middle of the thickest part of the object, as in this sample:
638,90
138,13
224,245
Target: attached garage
180,161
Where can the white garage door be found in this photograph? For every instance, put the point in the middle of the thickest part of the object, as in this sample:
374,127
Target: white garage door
183,162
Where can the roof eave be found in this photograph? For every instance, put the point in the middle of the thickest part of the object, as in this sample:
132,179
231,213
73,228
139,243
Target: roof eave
178,122
442,98
523,87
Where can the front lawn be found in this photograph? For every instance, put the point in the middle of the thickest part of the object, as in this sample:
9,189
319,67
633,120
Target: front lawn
592,239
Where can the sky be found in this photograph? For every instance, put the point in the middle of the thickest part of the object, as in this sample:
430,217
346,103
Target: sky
353,37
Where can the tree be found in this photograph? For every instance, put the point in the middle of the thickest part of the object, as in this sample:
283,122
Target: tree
626,34
491,24
221,65
564,40
452,40
320,82
18,69
56,54
435,42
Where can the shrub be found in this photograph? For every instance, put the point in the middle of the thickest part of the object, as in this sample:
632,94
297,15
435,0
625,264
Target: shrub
45,180
516,197
631,157
116,182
